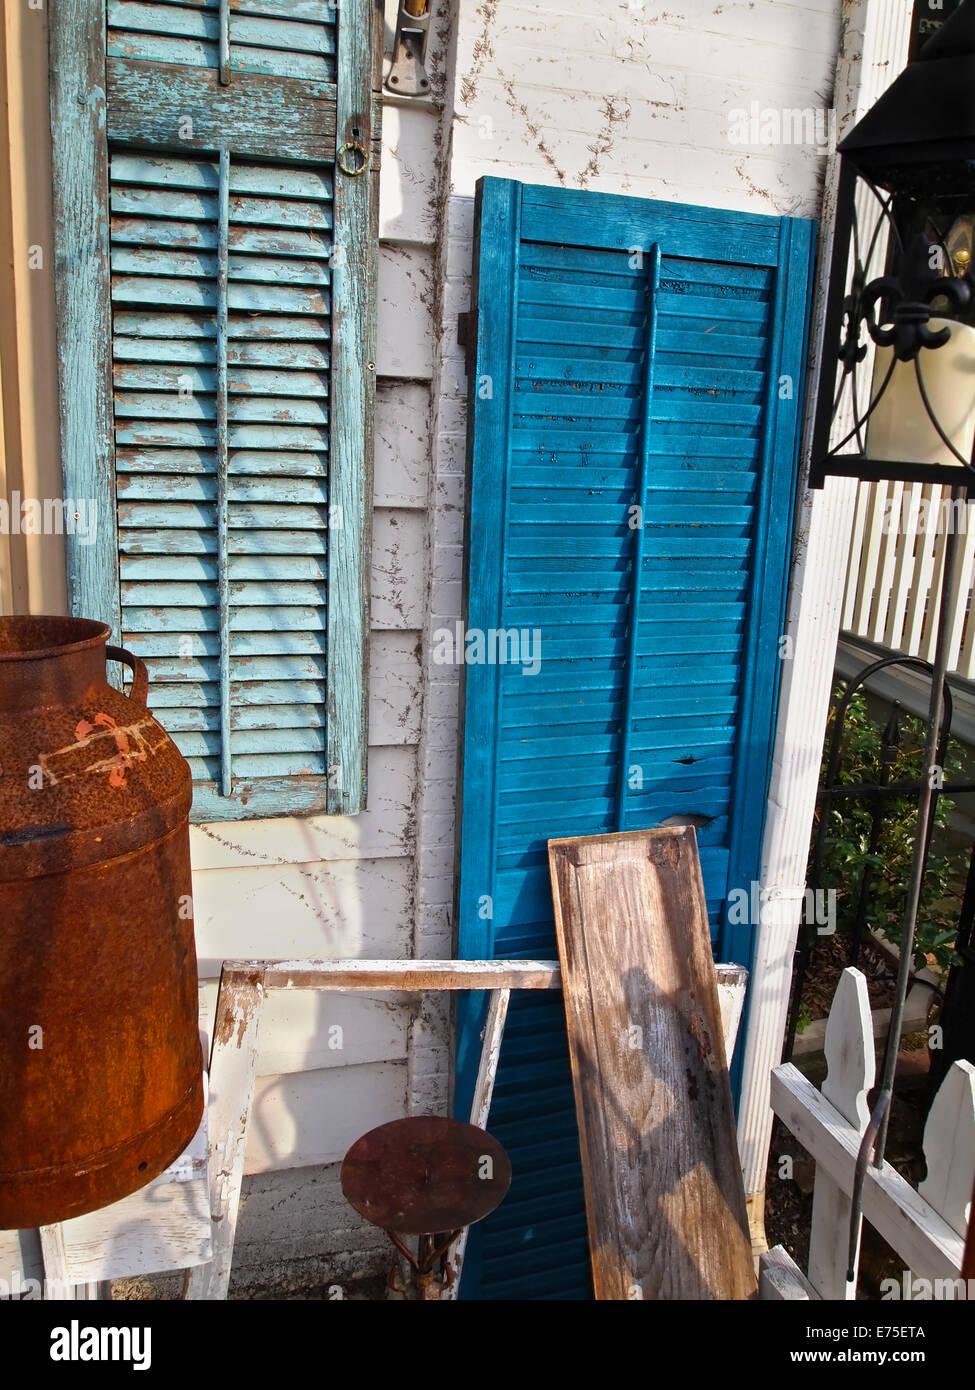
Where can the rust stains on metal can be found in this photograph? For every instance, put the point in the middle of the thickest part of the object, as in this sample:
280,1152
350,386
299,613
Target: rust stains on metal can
100,1063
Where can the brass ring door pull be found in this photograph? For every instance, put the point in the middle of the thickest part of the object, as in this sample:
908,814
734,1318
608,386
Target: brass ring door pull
352,158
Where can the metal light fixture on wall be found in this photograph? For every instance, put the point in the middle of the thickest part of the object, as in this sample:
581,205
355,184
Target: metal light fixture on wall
900,312
407,75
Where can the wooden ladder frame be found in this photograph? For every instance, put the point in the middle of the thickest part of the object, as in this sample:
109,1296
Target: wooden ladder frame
244,985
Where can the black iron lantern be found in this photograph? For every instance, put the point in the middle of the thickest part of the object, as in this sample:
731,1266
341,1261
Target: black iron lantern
897,385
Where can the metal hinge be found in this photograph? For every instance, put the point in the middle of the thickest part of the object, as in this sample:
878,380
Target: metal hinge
467,337
407,75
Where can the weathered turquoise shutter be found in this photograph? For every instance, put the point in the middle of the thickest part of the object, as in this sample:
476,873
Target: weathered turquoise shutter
215,193
635,403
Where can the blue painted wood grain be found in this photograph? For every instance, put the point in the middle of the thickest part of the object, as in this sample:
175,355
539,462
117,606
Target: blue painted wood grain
352,391
80,181
660,654
222,594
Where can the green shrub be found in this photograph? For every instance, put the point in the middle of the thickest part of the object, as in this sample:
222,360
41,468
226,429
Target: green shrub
848,836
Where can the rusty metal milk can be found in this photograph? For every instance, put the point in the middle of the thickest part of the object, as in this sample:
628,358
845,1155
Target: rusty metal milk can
100,1062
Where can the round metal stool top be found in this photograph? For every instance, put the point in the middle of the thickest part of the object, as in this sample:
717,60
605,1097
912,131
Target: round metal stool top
425,1175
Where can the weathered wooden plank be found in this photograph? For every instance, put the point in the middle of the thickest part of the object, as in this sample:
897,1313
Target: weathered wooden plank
241,380
487,1071
408,188
404,974
81,282
233,1070
58,1284
664,1194
353,386
732,982
780,1280
402,445
163,1226
21,1260
257,114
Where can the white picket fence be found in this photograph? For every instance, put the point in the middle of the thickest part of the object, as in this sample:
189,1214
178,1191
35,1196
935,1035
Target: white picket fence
896,563
926,1225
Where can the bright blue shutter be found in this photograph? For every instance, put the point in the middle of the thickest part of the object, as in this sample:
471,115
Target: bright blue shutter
242,273
630,354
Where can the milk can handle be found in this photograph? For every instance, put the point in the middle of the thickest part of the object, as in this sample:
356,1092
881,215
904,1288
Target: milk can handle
140,673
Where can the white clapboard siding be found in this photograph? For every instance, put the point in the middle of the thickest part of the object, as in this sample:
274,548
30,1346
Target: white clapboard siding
298,1029
402,434
404,325
347,908
407,186
310,1117
398,569
623,106
395,689
384,831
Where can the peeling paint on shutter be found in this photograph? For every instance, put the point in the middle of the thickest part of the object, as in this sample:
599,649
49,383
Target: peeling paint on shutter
240,292
164,233
634,351
286,38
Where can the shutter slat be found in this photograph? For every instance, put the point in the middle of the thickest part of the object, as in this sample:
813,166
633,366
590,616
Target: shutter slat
169,673
206,743
245,594
200,236
248,621
131,326
194,698
259,354
175,48
152,409
293,568
200,541
188,434
241,380
205,719
203,487
262,767
281,33
200,515
172,173
202,294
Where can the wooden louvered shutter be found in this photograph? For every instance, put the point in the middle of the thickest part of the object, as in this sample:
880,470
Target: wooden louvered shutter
629,354
215,194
